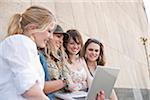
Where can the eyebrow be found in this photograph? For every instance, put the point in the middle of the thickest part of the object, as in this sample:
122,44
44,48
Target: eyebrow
94,49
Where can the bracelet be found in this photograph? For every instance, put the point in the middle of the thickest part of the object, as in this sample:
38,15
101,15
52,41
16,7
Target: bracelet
66,84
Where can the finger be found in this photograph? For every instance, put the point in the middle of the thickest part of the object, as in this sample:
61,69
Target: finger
102,92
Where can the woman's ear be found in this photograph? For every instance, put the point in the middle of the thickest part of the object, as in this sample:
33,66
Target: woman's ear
85,56
31,27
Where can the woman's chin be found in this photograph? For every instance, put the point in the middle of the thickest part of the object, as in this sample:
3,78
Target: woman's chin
42,46
92,59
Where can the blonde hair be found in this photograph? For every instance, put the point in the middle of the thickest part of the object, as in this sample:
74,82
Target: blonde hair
33,15
50,52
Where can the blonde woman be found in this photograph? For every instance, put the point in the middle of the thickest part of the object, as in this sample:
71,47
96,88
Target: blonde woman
21,74
57,68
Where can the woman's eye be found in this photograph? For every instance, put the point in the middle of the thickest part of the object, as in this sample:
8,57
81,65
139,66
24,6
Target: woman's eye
59,36
72,43
96,50
90,49
49,31
78,43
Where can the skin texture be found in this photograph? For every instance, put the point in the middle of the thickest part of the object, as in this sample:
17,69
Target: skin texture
73,47
57,40
92,52
42,37
52,86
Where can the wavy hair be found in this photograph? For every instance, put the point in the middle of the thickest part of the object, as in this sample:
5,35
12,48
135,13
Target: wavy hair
101,58
76,36
33,15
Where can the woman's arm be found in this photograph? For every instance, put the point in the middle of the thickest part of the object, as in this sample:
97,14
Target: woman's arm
53,85
35,93
113,95
25,68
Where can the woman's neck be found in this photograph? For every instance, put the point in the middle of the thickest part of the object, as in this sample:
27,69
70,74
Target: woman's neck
91,65
32,38
73,58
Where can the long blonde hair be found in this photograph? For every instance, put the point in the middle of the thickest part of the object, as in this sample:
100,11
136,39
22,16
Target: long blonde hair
50,52
33,15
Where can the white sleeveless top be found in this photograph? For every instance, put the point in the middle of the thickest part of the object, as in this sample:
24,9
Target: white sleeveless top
80,76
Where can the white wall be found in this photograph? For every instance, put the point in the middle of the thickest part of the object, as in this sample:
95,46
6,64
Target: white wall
117,23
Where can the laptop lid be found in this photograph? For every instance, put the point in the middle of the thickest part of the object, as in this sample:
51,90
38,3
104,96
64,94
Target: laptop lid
104,79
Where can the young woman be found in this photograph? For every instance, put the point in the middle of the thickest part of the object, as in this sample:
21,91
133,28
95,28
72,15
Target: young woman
76,65
19,59
93,53
57,69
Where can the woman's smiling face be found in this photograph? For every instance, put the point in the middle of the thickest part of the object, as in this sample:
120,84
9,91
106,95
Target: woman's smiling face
92,52
73,47
57,40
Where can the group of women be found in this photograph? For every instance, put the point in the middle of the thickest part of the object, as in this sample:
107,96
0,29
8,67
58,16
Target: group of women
38,58
77,64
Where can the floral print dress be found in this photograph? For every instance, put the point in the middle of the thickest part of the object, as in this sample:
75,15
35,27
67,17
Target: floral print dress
79,75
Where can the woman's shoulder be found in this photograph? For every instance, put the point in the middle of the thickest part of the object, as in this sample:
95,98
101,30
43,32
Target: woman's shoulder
82,60
18,43
18,39
17,36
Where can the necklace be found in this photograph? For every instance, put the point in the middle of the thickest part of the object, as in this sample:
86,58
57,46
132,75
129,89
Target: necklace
90,71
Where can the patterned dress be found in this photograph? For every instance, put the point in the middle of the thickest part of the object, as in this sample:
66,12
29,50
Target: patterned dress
79,74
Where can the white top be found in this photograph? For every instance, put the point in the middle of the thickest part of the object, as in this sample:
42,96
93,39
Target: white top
80,75
20,67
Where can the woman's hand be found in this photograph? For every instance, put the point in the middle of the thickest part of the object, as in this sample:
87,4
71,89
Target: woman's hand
35,93
74,87
100,95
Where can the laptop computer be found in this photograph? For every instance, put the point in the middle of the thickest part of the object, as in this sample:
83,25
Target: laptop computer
104,79
72,96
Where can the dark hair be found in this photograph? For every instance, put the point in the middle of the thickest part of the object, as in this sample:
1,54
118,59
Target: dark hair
76,36
101,59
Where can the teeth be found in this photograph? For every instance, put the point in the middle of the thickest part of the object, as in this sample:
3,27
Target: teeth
92,56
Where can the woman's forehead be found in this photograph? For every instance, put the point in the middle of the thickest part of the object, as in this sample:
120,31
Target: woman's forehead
93,45
75,39
60,34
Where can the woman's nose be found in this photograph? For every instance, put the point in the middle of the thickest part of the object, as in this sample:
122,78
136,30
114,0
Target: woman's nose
50,35
93,52
75,45
61,40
